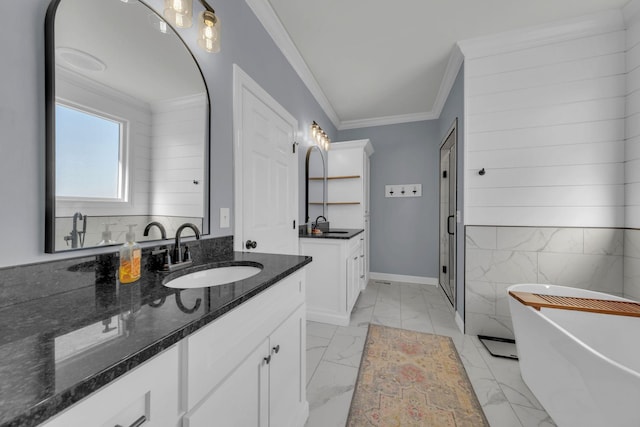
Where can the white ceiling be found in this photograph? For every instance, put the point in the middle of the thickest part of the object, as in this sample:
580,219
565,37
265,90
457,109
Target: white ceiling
140,60
383,60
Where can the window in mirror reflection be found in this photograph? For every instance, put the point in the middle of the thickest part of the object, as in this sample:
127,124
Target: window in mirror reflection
89,155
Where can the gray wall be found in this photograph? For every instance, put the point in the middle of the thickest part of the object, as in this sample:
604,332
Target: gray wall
404,232
244,41
454,108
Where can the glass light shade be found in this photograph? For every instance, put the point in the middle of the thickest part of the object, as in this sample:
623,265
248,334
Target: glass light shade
179,12
209,32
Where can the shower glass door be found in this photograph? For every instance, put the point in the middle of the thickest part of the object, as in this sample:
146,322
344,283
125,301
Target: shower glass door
448,215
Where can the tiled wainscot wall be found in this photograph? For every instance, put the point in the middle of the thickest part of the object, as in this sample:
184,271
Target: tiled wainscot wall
632,263
497,257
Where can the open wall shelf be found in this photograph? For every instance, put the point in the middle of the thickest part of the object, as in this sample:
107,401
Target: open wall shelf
335,203
319,178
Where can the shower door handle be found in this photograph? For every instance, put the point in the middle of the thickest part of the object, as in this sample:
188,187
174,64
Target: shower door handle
449,218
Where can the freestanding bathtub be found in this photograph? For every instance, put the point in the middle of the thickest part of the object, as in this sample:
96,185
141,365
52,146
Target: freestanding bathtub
583,367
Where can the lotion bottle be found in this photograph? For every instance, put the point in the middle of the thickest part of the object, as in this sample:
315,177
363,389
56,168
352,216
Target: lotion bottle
130,257
106,236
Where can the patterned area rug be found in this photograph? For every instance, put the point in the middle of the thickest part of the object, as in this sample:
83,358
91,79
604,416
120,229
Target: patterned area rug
409,378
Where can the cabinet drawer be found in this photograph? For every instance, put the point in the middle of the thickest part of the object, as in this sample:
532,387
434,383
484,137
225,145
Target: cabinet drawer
150,391
214,351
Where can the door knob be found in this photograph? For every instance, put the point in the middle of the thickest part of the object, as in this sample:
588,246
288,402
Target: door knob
251,244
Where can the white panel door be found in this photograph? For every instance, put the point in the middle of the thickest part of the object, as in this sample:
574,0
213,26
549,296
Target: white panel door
266,173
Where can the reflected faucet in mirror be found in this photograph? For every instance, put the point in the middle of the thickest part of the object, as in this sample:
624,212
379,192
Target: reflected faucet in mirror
163,232
77,237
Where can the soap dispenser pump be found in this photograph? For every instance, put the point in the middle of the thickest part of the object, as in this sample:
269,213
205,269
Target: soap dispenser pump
106,236
130,257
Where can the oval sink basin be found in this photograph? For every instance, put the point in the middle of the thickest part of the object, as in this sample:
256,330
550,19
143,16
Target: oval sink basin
213,277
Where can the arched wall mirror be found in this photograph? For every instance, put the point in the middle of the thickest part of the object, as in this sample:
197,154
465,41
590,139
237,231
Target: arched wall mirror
316,184
128,125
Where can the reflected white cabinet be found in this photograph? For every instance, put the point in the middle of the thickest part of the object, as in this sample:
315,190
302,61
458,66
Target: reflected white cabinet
333,278
348,190
151,391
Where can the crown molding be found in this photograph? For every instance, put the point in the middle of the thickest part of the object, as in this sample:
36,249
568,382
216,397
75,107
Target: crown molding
272,24
270,21
387,120
456,58
583,26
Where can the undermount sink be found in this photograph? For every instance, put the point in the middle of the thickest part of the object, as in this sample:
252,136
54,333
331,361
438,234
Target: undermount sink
213,277
335,232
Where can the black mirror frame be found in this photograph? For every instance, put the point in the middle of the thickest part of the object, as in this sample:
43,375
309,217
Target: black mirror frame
50,134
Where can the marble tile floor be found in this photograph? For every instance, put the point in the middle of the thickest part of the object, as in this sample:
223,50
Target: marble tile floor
334,352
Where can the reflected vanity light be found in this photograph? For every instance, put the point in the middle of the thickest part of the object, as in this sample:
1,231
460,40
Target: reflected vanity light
158,23
320,137
179,13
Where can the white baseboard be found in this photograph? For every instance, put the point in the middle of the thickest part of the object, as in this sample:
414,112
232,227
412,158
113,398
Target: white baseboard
406,279
331,318
459,322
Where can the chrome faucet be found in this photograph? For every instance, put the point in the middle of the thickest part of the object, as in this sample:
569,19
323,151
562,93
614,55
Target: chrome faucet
178,256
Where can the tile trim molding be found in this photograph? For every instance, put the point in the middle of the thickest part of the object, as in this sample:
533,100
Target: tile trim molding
433,281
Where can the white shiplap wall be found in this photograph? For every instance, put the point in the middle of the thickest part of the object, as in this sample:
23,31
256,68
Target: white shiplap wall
177,157
547,123
632,149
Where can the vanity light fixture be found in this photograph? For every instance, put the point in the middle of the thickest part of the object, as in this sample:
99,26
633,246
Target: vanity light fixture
179,13
320,137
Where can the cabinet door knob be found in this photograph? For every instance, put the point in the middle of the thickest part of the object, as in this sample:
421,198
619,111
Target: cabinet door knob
251,244
267,359
276,349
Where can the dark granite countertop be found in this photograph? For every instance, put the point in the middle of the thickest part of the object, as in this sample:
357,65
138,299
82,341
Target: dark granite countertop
333,233
78,328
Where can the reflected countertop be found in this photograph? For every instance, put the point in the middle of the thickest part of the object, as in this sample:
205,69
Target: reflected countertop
80,328
333,233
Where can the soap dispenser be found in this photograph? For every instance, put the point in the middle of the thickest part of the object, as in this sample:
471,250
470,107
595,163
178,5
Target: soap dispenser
130,256
106,236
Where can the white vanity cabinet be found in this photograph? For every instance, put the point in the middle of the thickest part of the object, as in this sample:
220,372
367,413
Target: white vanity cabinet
151,391
246,368
249,367
348,190
333,278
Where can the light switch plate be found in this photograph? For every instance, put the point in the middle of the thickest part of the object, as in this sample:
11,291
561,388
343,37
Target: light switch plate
224,217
